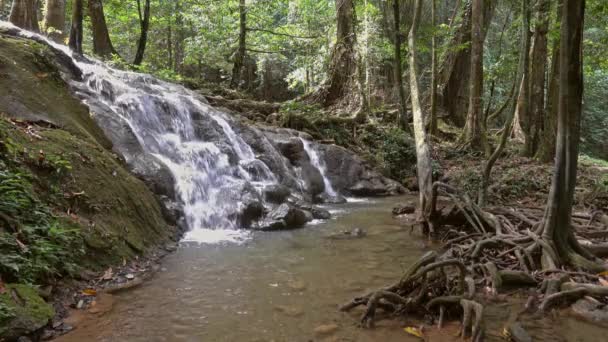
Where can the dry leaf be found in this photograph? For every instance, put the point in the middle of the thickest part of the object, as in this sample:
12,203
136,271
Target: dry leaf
414,331
107,275
89,292
603,281
604,273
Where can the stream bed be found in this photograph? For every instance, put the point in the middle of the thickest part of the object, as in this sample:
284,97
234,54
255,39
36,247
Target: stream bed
287,286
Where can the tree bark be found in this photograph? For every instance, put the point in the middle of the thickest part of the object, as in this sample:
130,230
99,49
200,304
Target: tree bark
546,148
102,45
454,72
397,64
523,122
24,14
557,221
239,57
75,41
433,115
538,67
144,24
54,19
423,154
474,130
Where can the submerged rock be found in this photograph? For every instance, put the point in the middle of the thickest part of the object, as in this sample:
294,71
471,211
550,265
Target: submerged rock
23,311
404,209
284,217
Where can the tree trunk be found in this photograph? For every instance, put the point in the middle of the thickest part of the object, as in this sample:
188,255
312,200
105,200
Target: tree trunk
397,65
423,154
239,57
144,24
178,55
557,222
343,88
433,116
523,115
102,45
474,130
538,67
54,19
546,148
75,42
24,14
454,73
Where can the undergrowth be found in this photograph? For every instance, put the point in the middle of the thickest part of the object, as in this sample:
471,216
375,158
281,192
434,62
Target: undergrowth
35,244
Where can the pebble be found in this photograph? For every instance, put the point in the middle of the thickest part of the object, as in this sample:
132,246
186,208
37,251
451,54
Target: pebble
297,285
326,329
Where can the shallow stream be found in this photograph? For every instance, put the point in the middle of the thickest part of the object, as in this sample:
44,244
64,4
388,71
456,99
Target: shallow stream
286,286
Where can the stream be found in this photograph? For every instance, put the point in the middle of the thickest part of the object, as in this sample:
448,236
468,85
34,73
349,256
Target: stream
287,285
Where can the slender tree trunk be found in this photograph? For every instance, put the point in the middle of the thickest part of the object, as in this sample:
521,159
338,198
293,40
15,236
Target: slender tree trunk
474,130
557,222
433,116
144,24
523,115
102,45
54,19
546,148
397,67
178,55
24,14
170,43
239,57
423,154
75,42
506,132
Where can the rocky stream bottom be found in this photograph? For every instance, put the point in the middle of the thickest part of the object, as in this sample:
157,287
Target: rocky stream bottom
287,286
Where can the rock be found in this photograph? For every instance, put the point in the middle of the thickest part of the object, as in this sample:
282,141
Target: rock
284,217
252,212
297,285
293,150
276,193
404,209
320,213
348,234
326,329
27,311
325,198
369,188
315,184
590,310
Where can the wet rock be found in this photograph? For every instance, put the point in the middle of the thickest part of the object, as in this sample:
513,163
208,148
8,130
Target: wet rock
293,150
252,212
326,329
284,217
276,193
325,198
591,310
404,209
320,213
27,311
369,188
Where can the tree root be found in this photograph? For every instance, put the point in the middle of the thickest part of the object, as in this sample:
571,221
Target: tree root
497,247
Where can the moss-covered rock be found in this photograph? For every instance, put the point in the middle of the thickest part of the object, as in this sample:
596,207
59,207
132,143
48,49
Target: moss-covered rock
22,311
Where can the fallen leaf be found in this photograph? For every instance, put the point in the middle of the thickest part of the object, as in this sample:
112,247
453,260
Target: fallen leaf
107,275
42,75
604,273
603,281
414,331
89,292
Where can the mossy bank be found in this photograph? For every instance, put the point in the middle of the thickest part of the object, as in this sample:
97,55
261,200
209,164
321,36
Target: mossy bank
67,202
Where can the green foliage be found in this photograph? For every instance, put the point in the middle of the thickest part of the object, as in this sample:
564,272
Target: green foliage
392,150
35,244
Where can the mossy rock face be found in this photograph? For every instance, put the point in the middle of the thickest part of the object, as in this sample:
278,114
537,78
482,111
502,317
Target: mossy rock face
22,311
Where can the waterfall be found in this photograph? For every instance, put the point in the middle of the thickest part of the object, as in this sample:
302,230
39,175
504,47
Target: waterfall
318,162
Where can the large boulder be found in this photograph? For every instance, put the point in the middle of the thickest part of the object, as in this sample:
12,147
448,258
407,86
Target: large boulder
276,193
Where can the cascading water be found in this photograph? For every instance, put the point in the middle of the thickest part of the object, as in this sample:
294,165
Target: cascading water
318,163
211,165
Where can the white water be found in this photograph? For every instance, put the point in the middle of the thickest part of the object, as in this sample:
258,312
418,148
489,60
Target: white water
318,163
209,182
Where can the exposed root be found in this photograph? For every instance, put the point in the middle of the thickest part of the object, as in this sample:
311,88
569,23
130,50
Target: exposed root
489,248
